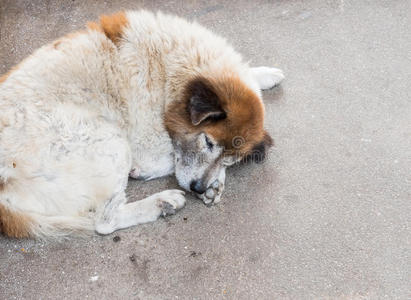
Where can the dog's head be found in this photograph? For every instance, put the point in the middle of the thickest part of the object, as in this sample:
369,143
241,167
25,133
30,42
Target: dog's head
217,123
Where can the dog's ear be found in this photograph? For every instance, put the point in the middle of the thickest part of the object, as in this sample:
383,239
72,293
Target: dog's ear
258,152
203,102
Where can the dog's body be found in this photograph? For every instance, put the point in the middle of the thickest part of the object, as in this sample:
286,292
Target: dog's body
128,96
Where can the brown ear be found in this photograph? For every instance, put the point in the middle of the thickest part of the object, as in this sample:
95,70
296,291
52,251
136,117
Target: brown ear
203,102
258,153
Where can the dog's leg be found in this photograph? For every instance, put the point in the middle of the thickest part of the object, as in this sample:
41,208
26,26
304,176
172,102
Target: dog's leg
266,77
118,214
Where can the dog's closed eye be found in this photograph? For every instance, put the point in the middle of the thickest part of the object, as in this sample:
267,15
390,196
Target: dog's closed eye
209,143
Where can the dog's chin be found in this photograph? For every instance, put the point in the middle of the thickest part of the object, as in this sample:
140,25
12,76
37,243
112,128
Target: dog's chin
182,182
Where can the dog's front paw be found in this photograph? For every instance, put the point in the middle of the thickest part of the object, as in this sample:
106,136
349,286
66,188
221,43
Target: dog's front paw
213,193
169,201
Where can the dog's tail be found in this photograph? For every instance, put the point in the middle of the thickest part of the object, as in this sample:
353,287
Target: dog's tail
19,224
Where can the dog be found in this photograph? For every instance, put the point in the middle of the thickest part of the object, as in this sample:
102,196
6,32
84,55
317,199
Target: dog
135,94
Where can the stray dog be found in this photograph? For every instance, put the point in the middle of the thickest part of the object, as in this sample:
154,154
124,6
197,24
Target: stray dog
136,94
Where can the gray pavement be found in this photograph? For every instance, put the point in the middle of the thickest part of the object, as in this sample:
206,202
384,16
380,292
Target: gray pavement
327,216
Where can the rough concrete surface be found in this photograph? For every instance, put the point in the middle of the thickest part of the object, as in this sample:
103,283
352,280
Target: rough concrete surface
326,216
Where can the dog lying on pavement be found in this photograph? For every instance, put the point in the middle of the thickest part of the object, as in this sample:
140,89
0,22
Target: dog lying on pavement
136,94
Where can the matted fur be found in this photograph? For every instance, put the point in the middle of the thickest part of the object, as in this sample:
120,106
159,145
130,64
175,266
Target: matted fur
82,112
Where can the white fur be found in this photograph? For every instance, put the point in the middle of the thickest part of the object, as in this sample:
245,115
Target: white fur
267,78
77,117
122,215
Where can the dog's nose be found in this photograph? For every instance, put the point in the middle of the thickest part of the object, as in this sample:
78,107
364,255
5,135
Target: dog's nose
197,187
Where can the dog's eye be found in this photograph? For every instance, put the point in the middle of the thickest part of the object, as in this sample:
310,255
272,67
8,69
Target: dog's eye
210,145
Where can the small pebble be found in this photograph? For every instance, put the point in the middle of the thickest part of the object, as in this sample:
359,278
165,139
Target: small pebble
194,254
116,239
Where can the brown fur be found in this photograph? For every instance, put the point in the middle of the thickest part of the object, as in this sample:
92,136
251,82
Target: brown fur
56,44
5,76
239,132
13,224
112,26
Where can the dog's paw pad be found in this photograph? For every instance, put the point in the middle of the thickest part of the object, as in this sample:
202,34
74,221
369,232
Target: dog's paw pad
213,193
210,193
167,208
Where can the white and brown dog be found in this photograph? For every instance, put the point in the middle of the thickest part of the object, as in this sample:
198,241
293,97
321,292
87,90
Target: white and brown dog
136,94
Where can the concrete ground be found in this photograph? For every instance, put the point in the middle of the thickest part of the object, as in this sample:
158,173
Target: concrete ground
326,216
